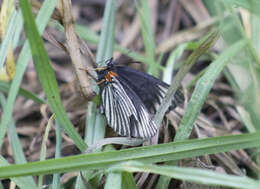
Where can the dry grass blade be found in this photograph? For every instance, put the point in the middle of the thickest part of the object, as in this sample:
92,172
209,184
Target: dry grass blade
74,50
186,35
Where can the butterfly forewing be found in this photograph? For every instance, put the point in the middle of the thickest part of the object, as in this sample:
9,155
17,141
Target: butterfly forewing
125,112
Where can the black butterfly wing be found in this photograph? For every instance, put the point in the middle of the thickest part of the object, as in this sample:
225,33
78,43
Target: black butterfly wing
125,112
148,88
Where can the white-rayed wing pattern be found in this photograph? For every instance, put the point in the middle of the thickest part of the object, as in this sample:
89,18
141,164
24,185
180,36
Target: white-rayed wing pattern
123,115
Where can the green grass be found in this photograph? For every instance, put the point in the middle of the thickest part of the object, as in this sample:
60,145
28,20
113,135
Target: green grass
148,154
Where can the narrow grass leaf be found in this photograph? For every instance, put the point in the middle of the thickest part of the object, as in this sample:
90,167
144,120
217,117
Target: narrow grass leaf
252,5
18,154
22,182
5,87
106,42
128,181
166,102
115,140
148,154
44,147
202,89
169,68
147,34
114,181
198,97
196,175
22,62
104,52
90,123
8,38
56,177
46,74
255,28
246,119
18,29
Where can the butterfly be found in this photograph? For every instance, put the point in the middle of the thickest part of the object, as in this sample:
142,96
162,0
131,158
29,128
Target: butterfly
130,97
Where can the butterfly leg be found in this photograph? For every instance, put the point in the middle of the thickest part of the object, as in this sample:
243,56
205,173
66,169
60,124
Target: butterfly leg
101,81
102,109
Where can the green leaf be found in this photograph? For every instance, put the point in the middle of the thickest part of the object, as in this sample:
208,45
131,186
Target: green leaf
251,5
113,181
174,56
22,182
96,122
148,154
46,74
166,102
196,175
4,87
106,41
199,95
147,34
18,154
202,89
128,181
44,147
22,62
56,177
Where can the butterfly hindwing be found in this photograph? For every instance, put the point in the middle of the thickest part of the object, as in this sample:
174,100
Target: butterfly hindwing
125,112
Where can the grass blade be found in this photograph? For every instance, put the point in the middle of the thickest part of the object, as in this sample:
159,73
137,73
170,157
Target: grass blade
46,74
5,87
19,156
205,45
23,60
148,154
44,147
113,181
199,95
96,122
128,181
56,177
8,37
196,175
202,89
22,182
